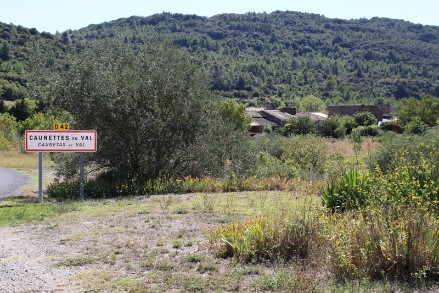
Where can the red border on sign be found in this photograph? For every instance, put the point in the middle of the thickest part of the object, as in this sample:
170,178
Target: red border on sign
61,150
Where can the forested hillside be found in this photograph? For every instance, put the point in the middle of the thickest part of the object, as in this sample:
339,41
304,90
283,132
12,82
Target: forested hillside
282,56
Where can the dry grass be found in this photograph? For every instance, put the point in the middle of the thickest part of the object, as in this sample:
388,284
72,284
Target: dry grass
19,160
345,148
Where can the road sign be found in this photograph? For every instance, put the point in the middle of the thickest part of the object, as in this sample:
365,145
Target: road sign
61,141
61,126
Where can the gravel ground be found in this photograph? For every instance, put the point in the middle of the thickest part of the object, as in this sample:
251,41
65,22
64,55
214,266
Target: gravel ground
10,181
25,262
40,257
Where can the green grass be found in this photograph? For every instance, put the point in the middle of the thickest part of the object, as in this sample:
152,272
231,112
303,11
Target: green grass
18,212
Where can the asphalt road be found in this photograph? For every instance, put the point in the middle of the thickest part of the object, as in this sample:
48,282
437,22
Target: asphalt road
10,180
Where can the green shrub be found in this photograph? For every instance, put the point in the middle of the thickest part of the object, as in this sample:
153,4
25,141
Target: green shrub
8,133
350,191
413,147
365,119
387,242
392,126
269,166
411,183
301,152
69,190
416,126
300,125
331,128
370,130
395,236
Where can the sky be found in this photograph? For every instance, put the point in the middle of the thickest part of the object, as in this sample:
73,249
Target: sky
61,15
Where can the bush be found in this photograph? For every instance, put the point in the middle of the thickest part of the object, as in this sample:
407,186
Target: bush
386,242
410,183
300,125
392,126
337,126
8,133
350,191
371,130
331,128
393,145
301,151
365,119
394,236
416,126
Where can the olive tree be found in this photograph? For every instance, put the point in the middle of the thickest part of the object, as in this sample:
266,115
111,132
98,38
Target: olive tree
150,108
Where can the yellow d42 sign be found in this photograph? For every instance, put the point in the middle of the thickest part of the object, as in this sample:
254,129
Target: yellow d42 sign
61,126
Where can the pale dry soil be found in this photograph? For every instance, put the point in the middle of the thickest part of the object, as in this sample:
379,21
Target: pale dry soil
148,244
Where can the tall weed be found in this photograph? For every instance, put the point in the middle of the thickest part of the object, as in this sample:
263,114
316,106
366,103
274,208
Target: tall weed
385,243
267,237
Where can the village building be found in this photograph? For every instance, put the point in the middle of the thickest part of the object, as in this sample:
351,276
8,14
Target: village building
381,112
268,119
264,119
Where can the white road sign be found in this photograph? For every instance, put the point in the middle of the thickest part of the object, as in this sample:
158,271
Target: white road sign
61,141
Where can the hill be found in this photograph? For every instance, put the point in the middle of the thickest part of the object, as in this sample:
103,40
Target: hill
282,55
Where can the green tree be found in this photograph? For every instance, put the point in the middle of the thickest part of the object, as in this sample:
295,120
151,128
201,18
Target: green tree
365,119
2,105
12,92
234,113
427,109
23,109
150,108
416,126
5,52
32,122
8,133
301,152
300,125
312,104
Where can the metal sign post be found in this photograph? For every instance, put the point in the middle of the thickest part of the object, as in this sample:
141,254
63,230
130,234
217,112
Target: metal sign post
81,176
40,178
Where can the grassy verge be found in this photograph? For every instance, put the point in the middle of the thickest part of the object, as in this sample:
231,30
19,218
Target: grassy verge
167,243
19,210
